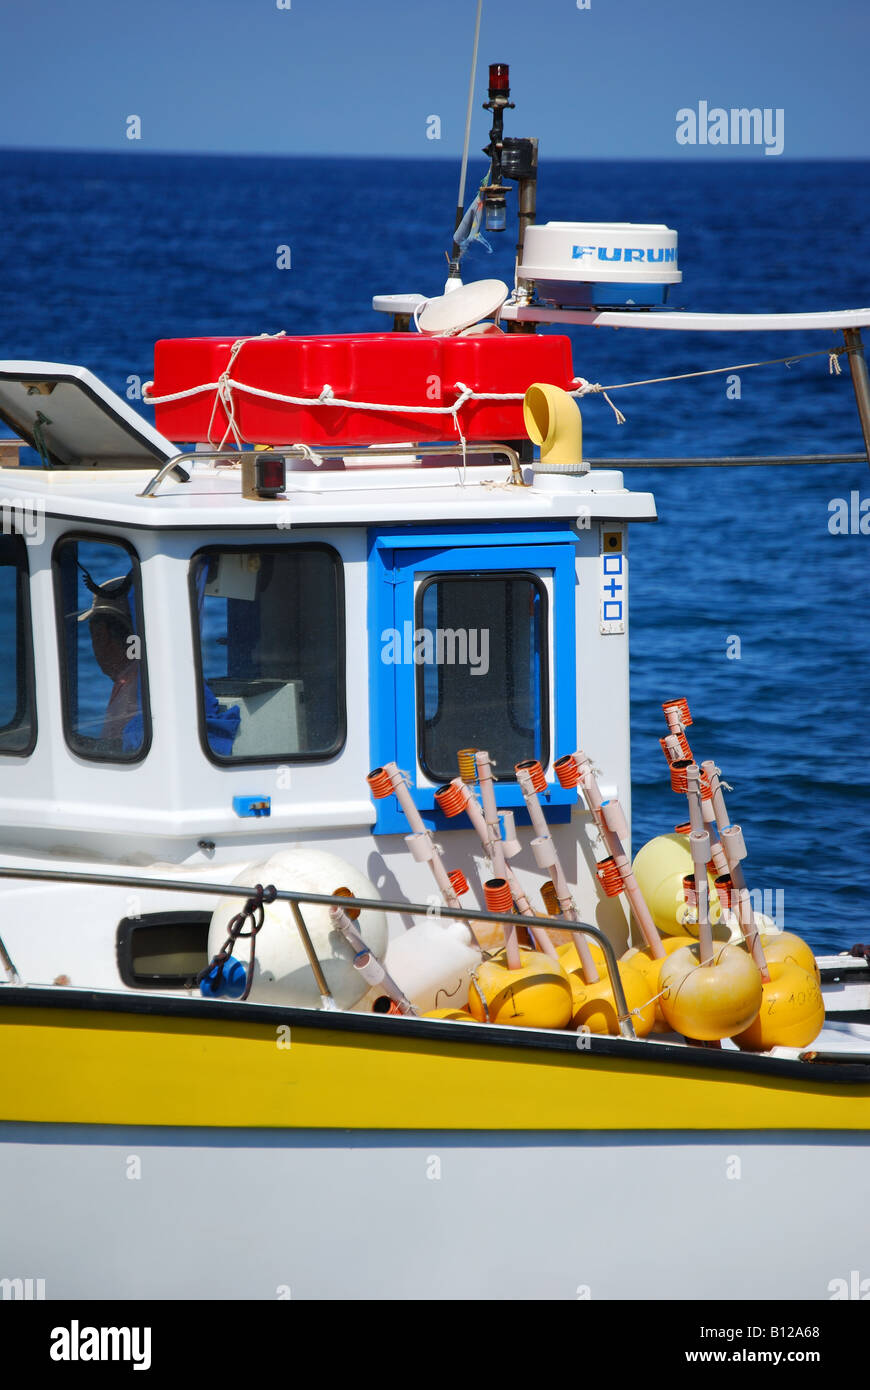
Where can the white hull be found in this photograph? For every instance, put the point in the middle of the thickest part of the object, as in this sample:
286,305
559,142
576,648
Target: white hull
314,1214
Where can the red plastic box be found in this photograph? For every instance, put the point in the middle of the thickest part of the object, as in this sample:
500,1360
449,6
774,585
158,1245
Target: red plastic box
405,369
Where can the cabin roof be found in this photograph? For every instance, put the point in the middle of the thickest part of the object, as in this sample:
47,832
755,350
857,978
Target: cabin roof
212,497
101,456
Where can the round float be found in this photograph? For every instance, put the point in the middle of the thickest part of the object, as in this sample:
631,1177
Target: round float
650,967
710,1002
786,946
792,1011
538,995
595,1008
569,956
659,867
282,972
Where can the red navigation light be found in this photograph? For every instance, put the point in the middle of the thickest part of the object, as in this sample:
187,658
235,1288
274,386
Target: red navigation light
499,79
270,474
263,474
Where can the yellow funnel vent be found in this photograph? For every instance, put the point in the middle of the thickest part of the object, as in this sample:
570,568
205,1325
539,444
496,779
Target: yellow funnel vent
552,419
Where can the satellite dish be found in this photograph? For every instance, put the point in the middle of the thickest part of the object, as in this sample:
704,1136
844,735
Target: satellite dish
450,313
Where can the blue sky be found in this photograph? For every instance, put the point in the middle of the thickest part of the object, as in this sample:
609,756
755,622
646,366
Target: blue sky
362,76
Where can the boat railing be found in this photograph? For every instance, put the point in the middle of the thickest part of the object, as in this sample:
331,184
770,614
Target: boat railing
230,457
297,899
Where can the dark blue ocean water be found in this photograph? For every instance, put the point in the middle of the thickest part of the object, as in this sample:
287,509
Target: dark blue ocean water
103,254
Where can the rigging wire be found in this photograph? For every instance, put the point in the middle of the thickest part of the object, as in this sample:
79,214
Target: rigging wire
460,206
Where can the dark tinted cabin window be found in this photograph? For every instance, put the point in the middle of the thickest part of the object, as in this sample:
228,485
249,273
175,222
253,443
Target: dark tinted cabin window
17,713
102,649
163,950
270,624
481,670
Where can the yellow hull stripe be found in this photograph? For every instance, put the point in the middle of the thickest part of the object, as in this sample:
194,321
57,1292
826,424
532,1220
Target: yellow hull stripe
79,1067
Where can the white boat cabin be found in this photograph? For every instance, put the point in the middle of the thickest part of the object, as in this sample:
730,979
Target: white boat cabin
192,678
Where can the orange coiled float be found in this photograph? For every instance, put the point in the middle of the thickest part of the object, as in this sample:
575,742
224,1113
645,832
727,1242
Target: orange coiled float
689,891
379,783
567,771
684,829
497,894
609,877
725,890
551,901
451,799
351,912
680,783
467,765
684,745
385,1005
458,882
681,708
535,771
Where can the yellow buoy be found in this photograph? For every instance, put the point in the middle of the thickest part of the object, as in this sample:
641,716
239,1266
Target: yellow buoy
600,1016
595,1007
659,868
650,967
569,957
708,1002
792,1011
456,1015
538,995
785,946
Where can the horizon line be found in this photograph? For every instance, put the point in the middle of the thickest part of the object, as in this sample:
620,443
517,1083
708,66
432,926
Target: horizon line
431,157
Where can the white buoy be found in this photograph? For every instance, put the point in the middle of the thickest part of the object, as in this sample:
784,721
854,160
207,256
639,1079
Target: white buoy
282,972
432,963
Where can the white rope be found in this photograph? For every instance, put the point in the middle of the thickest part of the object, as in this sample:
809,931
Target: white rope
224,394
327,397
223,389
227,384
587,388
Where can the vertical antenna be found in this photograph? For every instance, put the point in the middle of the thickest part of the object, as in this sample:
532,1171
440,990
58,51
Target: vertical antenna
460,207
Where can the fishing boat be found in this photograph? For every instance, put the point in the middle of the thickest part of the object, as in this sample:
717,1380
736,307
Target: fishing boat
327,966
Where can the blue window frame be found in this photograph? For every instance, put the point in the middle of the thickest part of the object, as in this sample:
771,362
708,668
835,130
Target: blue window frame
519,586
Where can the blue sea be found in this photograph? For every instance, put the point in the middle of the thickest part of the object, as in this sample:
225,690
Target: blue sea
104,253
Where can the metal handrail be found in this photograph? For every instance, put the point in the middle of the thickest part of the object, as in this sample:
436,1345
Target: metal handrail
235,455
290,895
729,461
331,451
